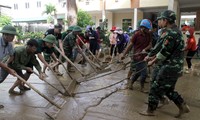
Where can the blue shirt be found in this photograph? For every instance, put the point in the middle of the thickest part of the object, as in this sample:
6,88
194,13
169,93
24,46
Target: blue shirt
5,48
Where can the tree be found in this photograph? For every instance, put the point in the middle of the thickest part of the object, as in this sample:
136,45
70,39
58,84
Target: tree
5,20
71,12
84,19
51,10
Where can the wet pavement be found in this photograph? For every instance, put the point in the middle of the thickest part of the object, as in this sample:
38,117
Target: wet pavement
111,103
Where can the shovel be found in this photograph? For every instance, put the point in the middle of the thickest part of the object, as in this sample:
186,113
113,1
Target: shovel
97,60
68,60
102,70
65,94
67,70
37,91
86,58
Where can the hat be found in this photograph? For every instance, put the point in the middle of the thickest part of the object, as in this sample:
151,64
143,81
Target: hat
118,31
88,27
70,28
9,30
50,38
99,28
77,29
146,23
168,14
113,28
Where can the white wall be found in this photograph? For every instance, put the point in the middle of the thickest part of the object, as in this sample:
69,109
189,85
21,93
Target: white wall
33,12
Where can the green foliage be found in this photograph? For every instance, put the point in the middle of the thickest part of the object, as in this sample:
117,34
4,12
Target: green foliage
34,35
106,40
5,20
29,35
50,19
125,26
84,19
49,9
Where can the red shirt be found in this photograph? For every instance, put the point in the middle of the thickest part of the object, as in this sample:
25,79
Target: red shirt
140,41
191,44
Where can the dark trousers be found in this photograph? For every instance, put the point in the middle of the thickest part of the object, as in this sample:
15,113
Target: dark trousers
93,46
163,84
141,71
113,50
189,56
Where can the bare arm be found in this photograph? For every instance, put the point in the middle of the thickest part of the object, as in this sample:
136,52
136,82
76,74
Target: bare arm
61,46
128,48
42,59
9,70
11,58
54,57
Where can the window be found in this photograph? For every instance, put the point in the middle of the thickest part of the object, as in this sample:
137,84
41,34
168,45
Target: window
126,23
15,6
26,5
38,4
105,23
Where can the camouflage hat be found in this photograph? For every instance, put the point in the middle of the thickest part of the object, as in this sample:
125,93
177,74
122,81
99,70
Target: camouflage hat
50,39
77,29
9,30
70,28
168,14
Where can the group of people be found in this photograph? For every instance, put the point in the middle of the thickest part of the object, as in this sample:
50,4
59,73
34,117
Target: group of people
166,56
15,60
164,52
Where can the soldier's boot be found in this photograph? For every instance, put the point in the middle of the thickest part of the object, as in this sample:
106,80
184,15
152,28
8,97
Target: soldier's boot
147,112
183,108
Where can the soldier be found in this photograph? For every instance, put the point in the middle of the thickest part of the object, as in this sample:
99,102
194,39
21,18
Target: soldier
69,30
140,42
46,46
69,43
169,66
24,59
6,48
57,33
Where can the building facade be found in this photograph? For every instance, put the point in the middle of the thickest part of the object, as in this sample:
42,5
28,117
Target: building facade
120,13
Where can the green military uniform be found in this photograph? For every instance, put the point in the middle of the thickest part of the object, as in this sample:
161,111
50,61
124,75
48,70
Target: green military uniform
46,51
169,66
70,42
22,60
64,34
68,45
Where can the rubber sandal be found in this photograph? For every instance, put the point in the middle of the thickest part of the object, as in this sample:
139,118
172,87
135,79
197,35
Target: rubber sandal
12,92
